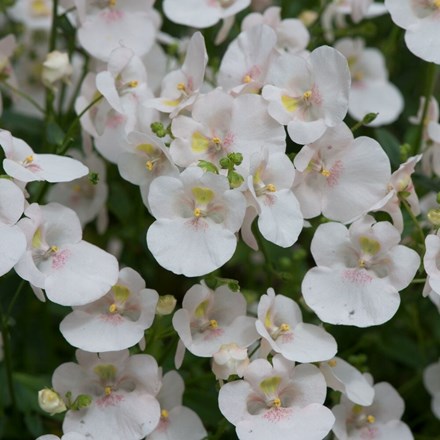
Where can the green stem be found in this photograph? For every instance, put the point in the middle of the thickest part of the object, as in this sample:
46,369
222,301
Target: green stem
415,221
23,95
431,78
7,357
418,281
53,30
15,297
262,246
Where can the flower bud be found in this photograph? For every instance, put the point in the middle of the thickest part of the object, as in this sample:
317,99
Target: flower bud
56,67
165,305
434,216
50,401
308,17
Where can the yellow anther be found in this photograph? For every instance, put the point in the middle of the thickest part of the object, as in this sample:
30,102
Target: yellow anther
213,323
29,159
108,391
247,79
325,173
332,363
276,402
39,8
284,327
164,414
271,187
133,83
54,248
197,212
361,263
307,94
112,308
358,76
112,3
371,419
149,165
76,188
437,3
216,140
181,87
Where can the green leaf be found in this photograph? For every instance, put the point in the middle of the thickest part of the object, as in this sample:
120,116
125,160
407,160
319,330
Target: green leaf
390,144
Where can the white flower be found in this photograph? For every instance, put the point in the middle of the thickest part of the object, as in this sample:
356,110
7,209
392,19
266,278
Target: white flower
72,271
431,380
197,216
421,19
359,273
308,95
278,402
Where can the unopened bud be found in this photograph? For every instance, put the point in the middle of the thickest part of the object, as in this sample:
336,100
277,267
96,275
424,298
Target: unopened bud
158,129
235,179
56,67
235,158
82,401
308,17
50,401
165,305
208,167
434,216
369,117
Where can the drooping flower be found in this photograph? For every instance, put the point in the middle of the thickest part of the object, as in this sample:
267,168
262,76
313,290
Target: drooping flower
23,164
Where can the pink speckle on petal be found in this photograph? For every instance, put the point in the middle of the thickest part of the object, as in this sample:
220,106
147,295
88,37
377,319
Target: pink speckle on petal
212,333
112,399
112,15
357,276
335,173
285,338
275,414
60,258
269,199
114,319
163,424
369,433
228,140
316,95
197,224
33,167
115,120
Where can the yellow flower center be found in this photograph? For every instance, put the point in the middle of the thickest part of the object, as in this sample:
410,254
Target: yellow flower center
112,308
164,414
307,95
112,3
54,249
325,172
284,327
247,79
276,402
213,324
371,419
197,212
216,140
332,362
271,187
181,87
437,3
107,391
133,83
149,165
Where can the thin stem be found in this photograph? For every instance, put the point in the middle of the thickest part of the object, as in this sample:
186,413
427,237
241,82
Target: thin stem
431,77
262,246
71,129
418,281
65,144
7,357
53,30
15,297
415,221
23,95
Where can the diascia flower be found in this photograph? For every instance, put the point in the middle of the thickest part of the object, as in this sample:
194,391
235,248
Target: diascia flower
340,176
176,421
122,390
72,271
197,216
279,401
371,92
308,95
421,19
116,321
380,420
281,326
12,239
360,272
208,320
23,164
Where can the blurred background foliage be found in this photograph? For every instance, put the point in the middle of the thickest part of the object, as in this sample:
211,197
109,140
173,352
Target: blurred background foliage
396,352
